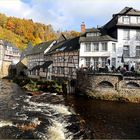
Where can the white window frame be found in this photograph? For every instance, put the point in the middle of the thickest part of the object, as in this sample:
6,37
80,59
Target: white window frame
137,51
104,61
126,19
126,48
87,47
104,46
87,61
138,35
96,62
95,47
114,47
138,20
126,34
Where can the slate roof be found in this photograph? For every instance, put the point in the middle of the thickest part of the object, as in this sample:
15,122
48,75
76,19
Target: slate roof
114,21
36,67
26,51
97,38
46,64
67,45
128,11
40,48
62,38
6,43
21,65
92,30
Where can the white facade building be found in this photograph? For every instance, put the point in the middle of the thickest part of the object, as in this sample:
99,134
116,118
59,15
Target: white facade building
117,43
9,56
97,49
125,27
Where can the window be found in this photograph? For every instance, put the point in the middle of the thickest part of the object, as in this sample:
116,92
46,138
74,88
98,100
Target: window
137,51
138,35
70,60
87,47
93,34
96,62
114,62
104,46
126,20
126,51
59,59
70,70
95,47
62,70
104,61
113,47
126,35
44,70
53,69
87,61
138,20
58,70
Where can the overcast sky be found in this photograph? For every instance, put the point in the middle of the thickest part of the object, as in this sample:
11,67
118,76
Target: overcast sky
66,14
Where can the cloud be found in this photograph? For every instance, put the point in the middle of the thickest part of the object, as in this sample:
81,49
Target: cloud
66,14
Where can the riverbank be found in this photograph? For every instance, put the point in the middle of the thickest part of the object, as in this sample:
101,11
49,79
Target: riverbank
124,95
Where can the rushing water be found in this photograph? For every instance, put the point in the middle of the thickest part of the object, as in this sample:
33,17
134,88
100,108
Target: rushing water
54,117
108,119
37,117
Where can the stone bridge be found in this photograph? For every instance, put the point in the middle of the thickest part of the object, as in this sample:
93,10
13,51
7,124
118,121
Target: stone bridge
98,80
106,80
108,85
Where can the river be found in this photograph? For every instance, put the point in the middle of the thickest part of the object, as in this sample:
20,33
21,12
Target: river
54,117
108,120
45,116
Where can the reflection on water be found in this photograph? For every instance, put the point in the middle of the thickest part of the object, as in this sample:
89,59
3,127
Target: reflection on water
44,116
109,119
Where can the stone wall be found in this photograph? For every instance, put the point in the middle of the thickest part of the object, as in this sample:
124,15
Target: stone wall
108,87
5,68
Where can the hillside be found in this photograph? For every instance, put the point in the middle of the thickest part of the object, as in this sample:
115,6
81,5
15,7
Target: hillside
22,31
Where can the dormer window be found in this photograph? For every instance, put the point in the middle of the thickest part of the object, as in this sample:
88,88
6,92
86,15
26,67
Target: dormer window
126,20
93,34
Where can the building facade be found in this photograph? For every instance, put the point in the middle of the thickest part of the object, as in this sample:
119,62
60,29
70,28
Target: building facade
97,49
36,59
125,27
64,55
9,57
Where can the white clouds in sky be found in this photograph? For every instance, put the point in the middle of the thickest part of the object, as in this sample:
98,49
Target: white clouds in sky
66,14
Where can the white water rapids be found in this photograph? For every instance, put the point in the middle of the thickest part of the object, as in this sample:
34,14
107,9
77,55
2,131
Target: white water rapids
31,117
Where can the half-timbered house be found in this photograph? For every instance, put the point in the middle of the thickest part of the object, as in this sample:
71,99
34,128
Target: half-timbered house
65,57
36,60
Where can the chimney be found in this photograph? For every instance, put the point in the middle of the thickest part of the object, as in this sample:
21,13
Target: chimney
83,27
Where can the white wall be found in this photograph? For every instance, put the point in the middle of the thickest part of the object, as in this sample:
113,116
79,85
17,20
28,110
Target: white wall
133,19
97,54
132,42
